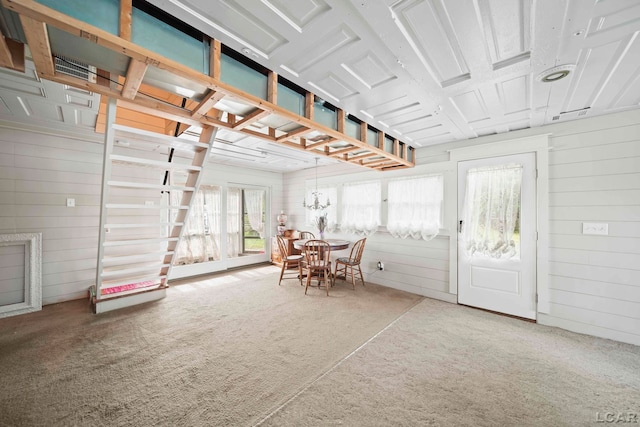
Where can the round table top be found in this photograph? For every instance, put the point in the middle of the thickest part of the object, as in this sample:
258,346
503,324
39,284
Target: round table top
334,244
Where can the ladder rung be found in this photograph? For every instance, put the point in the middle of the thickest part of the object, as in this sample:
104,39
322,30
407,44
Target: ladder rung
153,163
157,224
143,185
139,242
128,271
132,281
127,206
126,259
122,132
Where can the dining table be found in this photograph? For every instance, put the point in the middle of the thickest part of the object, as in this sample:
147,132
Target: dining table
334,244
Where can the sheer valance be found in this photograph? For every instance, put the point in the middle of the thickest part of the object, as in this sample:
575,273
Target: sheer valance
415,207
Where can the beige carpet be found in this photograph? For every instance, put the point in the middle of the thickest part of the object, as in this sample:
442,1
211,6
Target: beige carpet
222,351
237,350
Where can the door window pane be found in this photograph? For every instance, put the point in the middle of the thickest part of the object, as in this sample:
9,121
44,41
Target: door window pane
491,224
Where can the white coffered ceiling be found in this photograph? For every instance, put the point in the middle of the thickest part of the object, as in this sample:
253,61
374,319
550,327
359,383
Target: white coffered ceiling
425,71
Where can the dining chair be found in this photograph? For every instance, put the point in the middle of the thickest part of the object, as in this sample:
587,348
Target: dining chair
348,266
304,235
288,261
318,263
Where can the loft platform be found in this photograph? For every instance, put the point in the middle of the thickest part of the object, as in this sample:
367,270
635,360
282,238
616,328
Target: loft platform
171,71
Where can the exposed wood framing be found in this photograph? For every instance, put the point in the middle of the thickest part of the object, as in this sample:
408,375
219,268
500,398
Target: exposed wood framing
199,112
38,41
135,74
125,19
11,54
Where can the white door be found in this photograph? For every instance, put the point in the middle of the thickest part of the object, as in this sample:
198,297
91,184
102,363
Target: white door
497,234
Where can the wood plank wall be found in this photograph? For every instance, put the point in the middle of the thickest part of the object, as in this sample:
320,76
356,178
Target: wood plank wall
594,174
39,170
417,266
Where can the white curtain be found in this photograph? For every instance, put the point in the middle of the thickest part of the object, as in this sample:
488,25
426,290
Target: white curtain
414,207
234,221
492,211
201,238
254,200
361,207
325,193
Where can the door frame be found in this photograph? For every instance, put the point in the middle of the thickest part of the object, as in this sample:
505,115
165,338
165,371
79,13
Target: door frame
539,145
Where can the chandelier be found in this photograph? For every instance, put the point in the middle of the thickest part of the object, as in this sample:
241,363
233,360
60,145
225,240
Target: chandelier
315,205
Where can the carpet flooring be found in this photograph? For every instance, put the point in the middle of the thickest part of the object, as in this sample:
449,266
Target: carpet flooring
236,349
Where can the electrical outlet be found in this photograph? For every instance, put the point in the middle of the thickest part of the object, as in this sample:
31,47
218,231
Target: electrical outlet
600,228
380,265
71,203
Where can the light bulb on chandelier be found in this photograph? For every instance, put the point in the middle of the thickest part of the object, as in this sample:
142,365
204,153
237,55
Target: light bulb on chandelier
316,205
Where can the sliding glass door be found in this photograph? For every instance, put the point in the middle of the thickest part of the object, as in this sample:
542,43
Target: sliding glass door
246,221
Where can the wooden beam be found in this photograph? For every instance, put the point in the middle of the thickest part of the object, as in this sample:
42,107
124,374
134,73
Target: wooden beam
272,87
215,50
296,132
323,143
44,15
135,74
11,54
344,151
308,105
342,117
251,118
364,137
211,98
360,157
126,8
38,41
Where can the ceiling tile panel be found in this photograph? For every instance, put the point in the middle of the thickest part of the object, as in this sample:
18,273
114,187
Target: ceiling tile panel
334,87
327,44
507,30
514,94
299,13
471,106
597,66
243,26
385,107
43,111
369,70
614,16
4,108
429,32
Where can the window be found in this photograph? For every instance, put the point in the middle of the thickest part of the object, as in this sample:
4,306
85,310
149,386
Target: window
415,207
361,207
492,211
201,238
245,221
324,194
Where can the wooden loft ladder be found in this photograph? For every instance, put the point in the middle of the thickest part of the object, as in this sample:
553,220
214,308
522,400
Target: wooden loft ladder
137,246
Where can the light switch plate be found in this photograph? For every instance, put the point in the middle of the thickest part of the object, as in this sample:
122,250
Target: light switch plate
71,203
599,228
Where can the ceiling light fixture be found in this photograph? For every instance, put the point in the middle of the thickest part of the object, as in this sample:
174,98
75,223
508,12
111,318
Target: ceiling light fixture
316,205
555,73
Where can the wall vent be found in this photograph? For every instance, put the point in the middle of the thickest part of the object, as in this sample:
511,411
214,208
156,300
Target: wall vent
74,68
556,118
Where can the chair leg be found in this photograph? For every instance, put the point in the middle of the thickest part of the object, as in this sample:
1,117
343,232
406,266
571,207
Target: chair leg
353,279
308,281
327,279
284,264
300,272
361,276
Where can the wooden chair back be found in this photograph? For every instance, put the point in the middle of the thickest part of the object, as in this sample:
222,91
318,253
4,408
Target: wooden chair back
304,235
282,246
